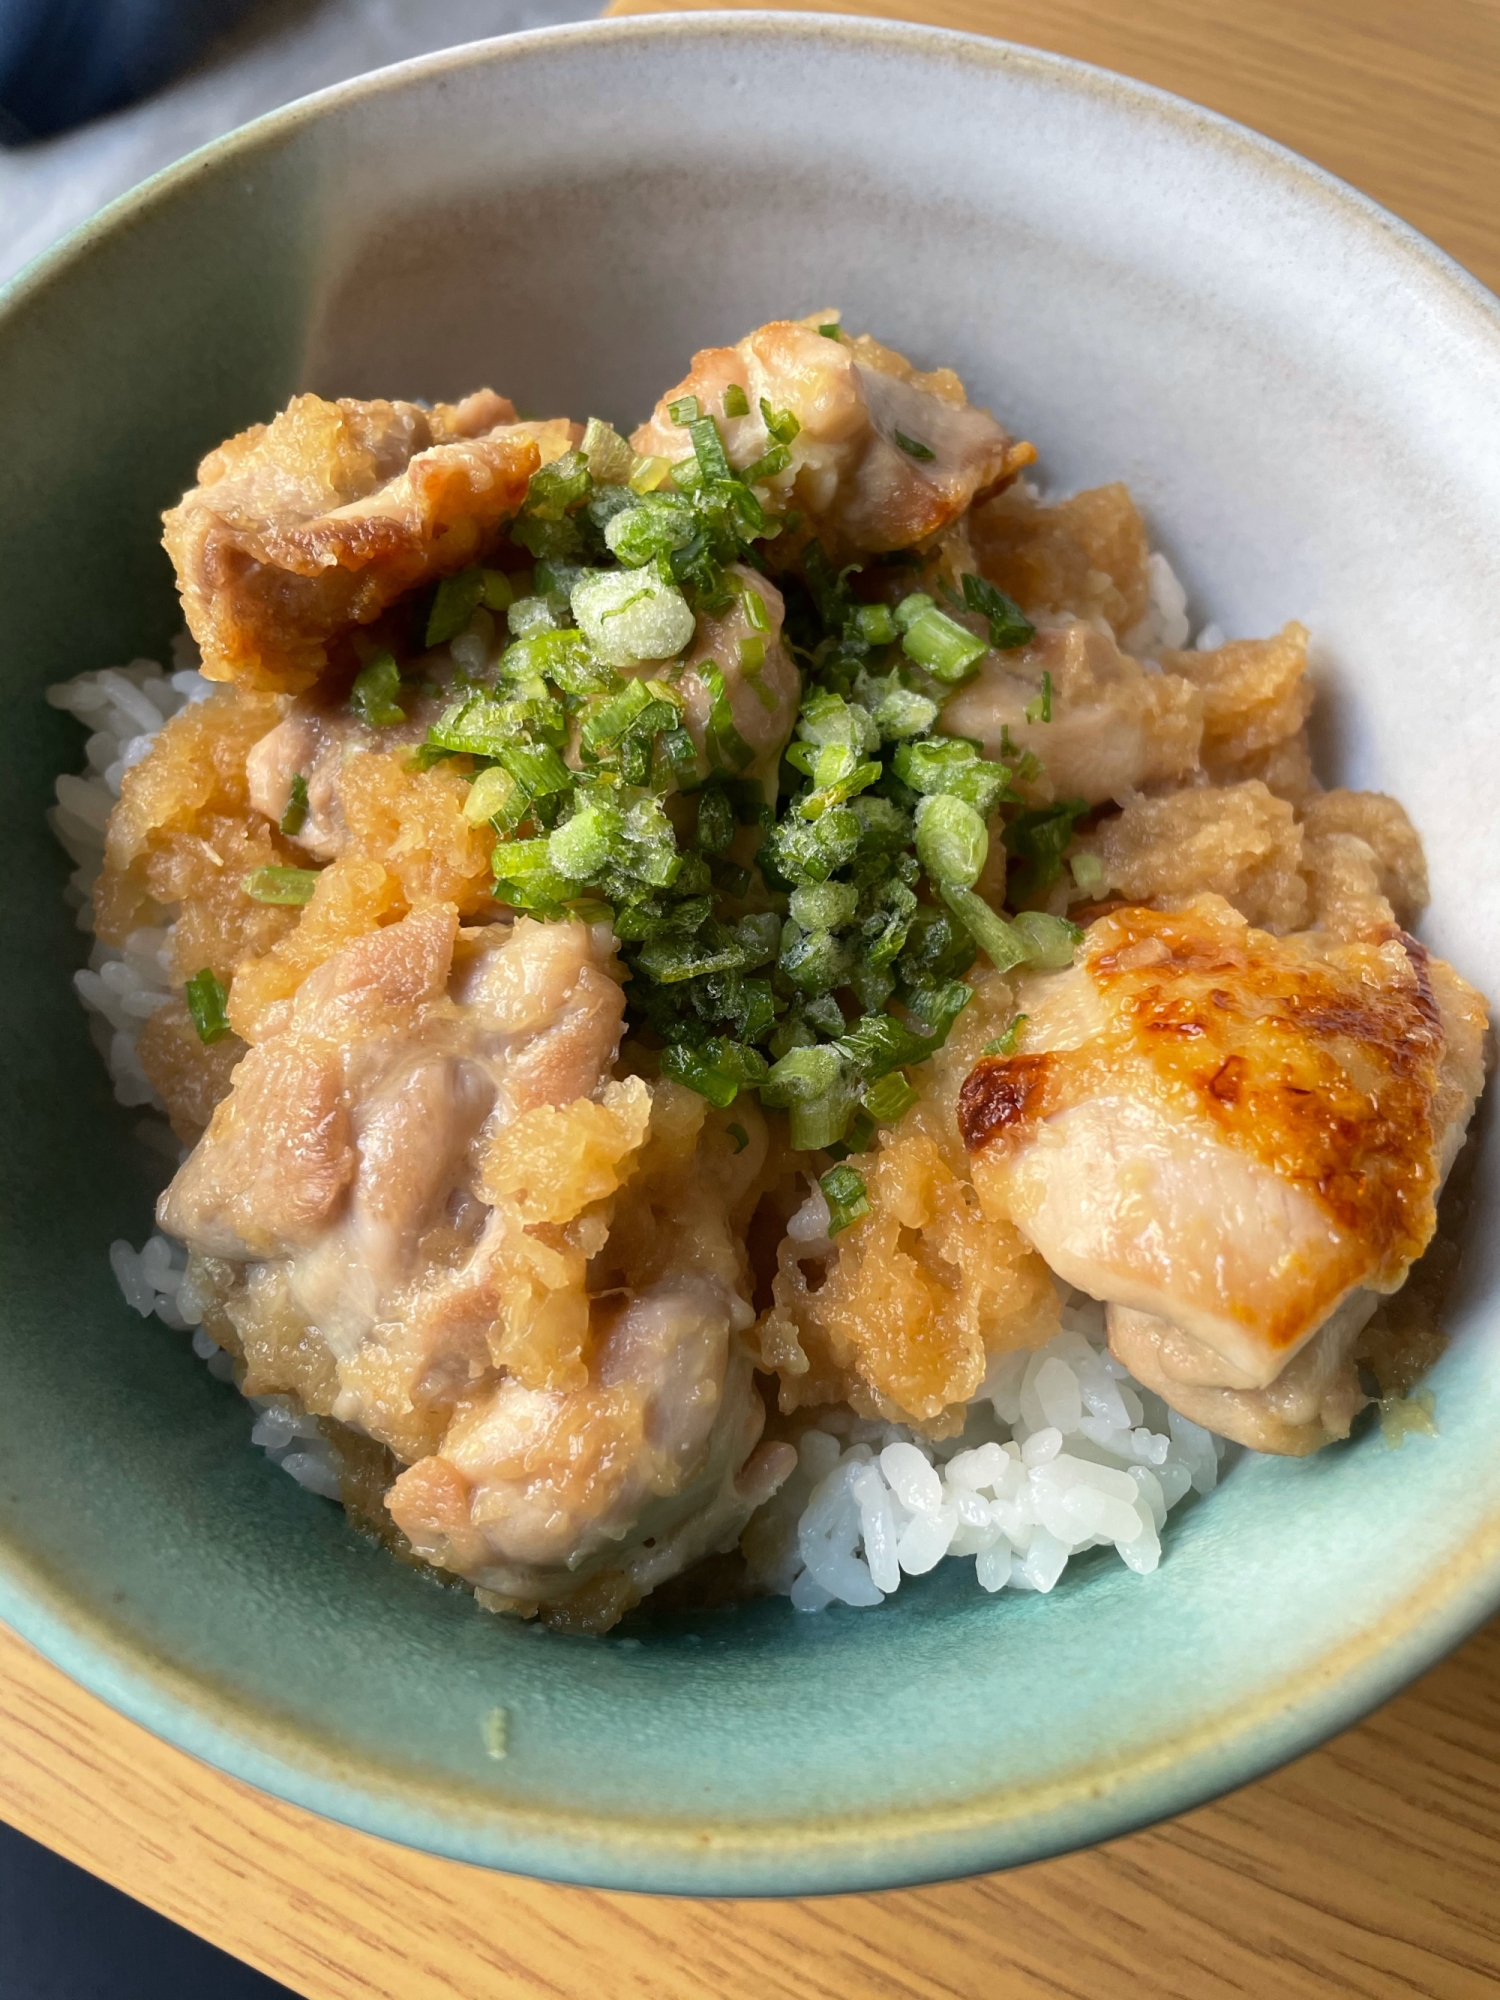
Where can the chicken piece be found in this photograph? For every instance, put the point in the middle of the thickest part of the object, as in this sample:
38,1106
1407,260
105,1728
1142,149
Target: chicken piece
1229,1131
302,528
1116,727
1085,556
403,1213
762,703
850,473
1312,1402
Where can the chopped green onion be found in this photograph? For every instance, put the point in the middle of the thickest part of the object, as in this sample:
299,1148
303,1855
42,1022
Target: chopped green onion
557,488
496,795
670,962
952,842
780,424
647,473
281,885
293,819
610,459
537,767
1088,873
756,615
453,605
207,1000
373,695
715,821
912,448
948,650
1050,941
831,330
708,449
631,614
684,411
498,589
1039,838
1040,710
739,1135
1005,1045
889,1099
952,764
876,623
1005,948
824,905
847,1197
910,609
736,402
1009,625
767,466
726,747
903,713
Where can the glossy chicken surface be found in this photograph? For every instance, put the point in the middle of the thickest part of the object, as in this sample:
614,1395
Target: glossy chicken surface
1229,1132
855,402
425,1209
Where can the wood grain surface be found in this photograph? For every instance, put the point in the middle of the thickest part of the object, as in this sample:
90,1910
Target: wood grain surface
1370,1868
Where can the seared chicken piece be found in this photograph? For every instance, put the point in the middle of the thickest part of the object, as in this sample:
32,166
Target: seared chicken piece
762,702
425,1209
856,401
301,528
1231,1133
1115,729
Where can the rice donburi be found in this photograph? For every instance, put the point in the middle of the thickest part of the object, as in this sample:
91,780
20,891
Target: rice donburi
743,989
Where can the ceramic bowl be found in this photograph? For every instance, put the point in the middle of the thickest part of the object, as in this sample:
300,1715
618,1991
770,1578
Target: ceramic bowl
1306,397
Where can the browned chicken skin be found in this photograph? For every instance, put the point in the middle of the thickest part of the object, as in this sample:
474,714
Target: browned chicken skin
1236,1141
302,528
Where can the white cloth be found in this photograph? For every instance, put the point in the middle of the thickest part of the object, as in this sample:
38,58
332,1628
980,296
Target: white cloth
284,50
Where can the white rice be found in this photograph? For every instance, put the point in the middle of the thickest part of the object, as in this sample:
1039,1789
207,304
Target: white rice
121,987
1063,1451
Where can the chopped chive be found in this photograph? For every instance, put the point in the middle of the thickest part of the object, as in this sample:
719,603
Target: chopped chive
281,885
947,650
373,695
1088,873
1004,947
776,460
739,1135
208,1000
889,1099
610,459
496,795
1040,710
736,402
952,841
1009,625
647,473
756,615
497,591
780,424
726,747
876,624
684,411
1005,1044
1050,941
913,447
453,605
292,819
847,1197
831,330
708,448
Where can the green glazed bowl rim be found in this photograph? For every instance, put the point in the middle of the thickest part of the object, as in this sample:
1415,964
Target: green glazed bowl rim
989,1829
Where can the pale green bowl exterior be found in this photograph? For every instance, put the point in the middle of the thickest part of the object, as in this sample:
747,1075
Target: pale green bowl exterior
1308,398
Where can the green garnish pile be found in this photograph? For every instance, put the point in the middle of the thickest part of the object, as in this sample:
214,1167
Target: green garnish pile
774,924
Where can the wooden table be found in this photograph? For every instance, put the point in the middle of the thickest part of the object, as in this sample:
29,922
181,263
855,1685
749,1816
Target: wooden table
1371,1868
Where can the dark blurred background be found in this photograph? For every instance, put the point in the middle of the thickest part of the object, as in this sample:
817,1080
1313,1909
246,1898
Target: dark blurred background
95,95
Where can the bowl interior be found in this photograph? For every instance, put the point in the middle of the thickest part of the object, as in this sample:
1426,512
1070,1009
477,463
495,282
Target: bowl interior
1307,401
